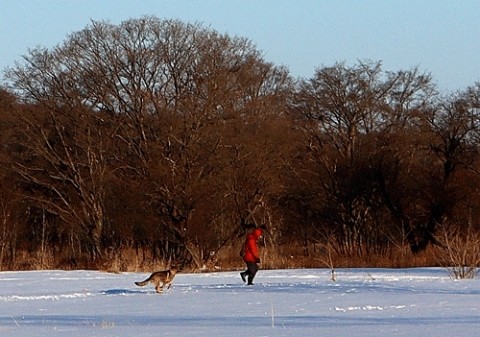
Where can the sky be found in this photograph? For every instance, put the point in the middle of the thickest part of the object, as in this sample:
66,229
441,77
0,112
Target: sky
440,37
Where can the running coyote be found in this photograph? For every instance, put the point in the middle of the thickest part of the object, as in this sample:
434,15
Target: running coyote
160,279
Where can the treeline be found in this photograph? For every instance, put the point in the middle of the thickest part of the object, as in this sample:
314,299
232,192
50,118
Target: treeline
170,140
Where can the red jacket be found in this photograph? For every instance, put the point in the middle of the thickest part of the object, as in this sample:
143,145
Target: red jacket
251,249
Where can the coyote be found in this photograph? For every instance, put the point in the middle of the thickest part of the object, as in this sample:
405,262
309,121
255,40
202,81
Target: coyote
160,279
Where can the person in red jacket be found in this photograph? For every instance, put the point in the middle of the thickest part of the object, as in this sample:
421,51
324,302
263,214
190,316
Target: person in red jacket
251,256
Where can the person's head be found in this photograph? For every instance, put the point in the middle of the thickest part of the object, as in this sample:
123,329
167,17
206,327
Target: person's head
258,233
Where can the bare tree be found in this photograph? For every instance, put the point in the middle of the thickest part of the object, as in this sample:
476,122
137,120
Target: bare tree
354,118
147,100
452,149
63,164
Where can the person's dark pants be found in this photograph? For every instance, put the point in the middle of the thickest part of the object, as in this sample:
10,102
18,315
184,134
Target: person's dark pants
251,271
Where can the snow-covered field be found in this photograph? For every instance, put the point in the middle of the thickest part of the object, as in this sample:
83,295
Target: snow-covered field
362,302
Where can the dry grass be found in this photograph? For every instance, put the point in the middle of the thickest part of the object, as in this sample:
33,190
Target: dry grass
294,257
283,257
459,250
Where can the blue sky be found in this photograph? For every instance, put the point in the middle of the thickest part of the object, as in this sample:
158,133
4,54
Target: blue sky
438,36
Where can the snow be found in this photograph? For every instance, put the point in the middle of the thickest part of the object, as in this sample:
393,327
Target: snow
297,302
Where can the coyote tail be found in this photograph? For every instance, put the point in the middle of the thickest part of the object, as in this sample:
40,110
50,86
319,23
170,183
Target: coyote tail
143,283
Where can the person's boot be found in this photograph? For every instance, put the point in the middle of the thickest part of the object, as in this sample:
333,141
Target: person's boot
243,275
